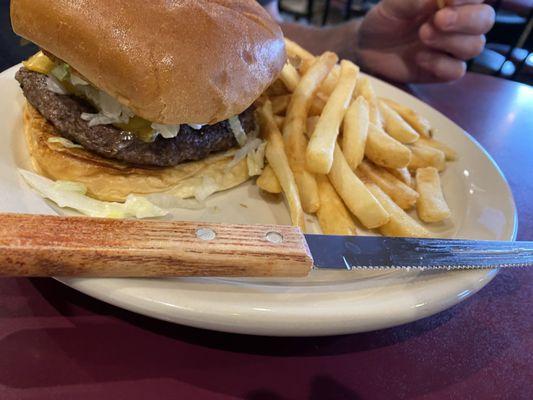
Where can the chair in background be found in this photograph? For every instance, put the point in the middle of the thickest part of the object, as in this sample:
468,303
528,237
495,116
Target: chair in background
301,9
508,53
351,8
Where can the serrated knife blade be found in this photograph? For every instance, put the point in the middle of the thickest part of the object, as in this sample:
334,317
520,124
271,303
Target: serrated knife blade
376,252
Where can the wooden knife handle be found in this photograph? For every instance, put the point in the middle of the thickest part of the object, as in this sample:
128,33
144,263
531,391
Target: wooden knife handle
42,245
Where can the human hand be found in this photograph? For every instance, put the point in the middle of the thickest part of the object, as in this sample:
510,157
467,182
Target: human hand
414,41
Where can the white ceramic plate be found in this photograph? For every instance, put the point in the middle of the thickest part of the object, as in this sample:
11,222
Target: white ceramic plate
326,303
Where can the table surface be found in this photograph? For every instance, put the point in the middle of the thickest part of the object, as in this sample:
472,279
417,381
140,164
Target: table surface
56,343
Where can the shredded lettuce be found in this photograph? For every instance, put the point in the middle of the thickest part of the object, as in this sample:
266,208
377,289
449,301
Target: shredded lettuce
53,85
196,126
238,131
72,195
256,160
141,207
110,110
243,152
167,131
98,119
206,189
90,92
77,81
74,187
64,142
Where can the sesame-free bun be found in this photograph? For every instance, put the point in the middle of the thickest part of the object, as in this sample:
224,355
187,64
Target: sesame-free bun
112,180
170,61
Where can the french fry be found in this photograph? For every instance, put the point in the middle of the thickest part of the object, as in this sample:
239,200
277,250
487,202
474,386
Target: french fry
295,50
431,205
451,154
280,103
332,214
330,83
396,126
355,132
354,193
276,89
424,156
311,125
333,217
419,123
400,224
398,191
365,89
310,100
296,62
317,106
268,181
321,146
384,150
289,76
279,121
402,174
278,161
294,129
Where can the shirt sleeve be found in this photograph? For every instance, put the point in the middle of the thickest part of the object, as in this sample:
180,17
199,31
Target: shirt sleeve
265,2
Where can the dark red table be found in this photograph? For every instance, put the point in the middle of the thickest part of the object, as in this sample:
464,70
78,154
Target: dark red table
59,344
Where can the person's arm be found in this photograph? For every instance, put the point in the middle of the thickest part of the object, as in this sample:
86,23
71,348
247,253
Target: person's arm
318,40
404,40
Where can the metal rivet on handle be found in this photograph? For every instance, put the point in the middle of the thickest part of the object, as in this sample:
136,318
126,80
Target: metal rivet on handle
206,234
274,237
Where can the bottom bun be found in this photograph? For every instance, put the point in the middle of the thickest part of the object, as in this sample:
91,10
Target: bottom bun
111,180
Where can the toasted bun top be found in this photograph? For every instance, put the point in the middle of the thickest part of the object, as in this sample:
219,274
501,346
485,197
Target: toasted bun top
170,61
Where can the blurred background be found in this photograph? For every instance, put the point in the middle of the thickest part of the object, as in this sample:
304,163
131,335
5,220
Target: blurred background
508,53
509,45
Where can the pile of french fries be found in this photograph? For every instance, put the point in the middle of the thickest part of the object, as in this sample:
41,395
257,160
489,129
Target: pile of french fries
336,150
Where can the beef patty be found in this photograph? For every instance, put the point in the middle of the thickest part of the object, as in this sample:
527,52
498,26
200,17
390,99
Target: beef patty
64,113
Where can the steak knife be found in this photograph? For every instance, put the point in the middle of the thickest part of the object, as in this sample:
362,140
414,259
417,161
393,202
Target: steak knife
43,245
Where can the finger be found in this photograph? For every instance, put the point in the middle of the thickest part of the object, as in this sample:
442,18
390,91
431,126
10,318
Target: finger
443,66
474,19
459,45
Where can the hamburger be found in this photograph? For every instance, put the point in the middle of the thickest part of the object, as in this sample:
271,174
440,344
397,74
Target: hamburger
136,97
